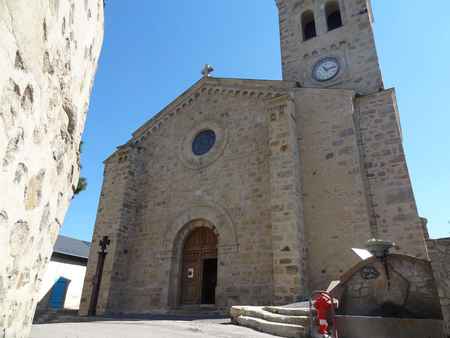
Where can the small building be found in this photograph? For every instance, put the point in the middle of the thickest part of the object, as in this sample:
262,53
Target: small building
63,281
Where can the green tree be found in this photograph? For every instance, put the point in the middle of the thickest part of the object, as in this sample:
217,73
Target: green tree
82,182
82,185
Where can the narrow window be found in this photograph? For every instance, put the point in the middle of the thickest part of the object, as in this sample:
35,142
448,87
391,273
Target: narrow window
333,13
308,25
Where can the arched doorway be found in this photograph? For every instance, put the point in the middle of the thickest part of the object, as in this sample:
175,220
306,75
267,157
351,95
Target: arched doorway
199,267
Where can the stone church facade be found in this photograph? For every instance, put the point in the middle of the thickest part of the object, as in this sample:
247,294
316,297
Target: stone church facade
253,191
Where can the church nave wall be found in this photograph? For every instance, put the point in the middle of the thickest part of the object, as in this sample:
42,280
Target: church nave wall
235,181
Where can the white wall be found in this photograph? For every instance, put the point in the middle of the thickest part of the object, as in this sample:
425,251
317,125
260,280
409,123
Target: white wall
75,273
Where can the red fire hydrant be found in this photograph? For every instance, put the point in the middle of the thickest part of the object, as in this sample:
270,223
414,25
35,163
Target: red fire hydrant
323,304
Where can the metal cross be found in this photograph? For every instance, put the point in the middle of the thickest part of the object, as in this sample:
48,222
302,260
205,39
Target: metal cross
207,69
104,243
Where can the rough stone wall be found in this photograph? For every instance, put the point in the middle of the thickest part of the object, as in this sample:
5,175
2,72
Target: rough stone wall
177,184
48,58
356,181
439,252
408,289
231,181
289,187
393,210
228,188
116,211
290,255
352,44
336,213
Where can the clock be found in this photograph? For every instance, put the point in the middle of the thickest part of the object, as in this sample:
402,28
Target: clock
326,69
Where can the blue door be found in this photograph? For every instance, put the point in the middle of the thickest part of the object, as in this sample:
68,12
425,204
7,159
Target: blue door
58,295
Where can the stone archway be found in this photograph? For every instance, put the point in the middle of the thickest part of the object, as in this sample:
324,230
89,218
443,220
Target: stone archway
199,267
201,214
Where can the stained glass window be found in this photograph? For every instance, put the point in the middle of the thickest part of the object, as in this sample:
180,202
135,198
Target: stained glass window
203,142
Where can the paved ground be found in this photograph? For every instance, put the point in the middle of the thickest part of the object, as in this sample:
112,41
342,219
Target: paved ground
206,328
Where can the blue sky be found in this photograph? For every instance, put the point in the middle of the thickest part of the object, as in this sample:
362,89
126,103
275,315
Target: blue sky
154,50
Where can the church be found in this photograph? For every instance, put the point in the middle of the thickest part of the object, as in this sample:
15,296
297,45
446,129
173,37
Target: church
254,192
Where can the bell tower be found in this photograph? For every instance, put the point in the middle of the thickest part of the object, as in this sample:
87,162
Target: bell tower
329,44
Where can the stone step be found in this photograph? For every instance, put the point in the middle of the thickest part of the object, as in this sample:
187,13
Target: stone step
287,311
274,328
259,312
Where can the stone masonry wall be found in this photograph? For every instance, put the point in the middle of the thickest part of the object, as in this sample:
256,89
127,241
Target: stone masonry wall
229,189
393,210
116,211
291,185
404,282
48,57
290,255
353,45
439,251
335,209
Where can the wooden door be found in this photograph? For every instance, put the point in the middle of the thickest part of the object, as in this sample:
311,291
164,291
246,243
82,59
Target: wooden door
201,244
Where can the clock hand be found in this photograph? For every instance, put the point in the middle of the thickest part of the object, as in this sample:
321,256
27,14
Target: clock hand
328,69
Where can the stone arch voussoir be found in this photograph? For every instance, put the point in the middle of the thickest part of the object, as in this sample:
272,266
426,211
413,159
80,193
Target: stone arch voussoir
217,218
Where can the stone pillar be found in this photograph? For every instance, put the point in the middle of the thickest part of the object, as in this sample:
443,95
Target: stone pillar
288,236
116,214
439,252
48,58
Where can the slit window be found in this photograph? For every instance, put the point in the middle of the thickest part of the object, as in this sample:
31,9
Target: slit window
333,13
308,25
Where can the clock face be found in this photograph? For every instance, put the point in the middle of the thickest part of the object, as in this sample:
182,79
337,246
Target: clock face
326,69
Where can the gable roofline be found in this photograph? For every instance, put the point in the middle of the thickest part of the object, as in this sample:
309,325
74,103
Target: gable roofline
175,102
208,85
196,89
